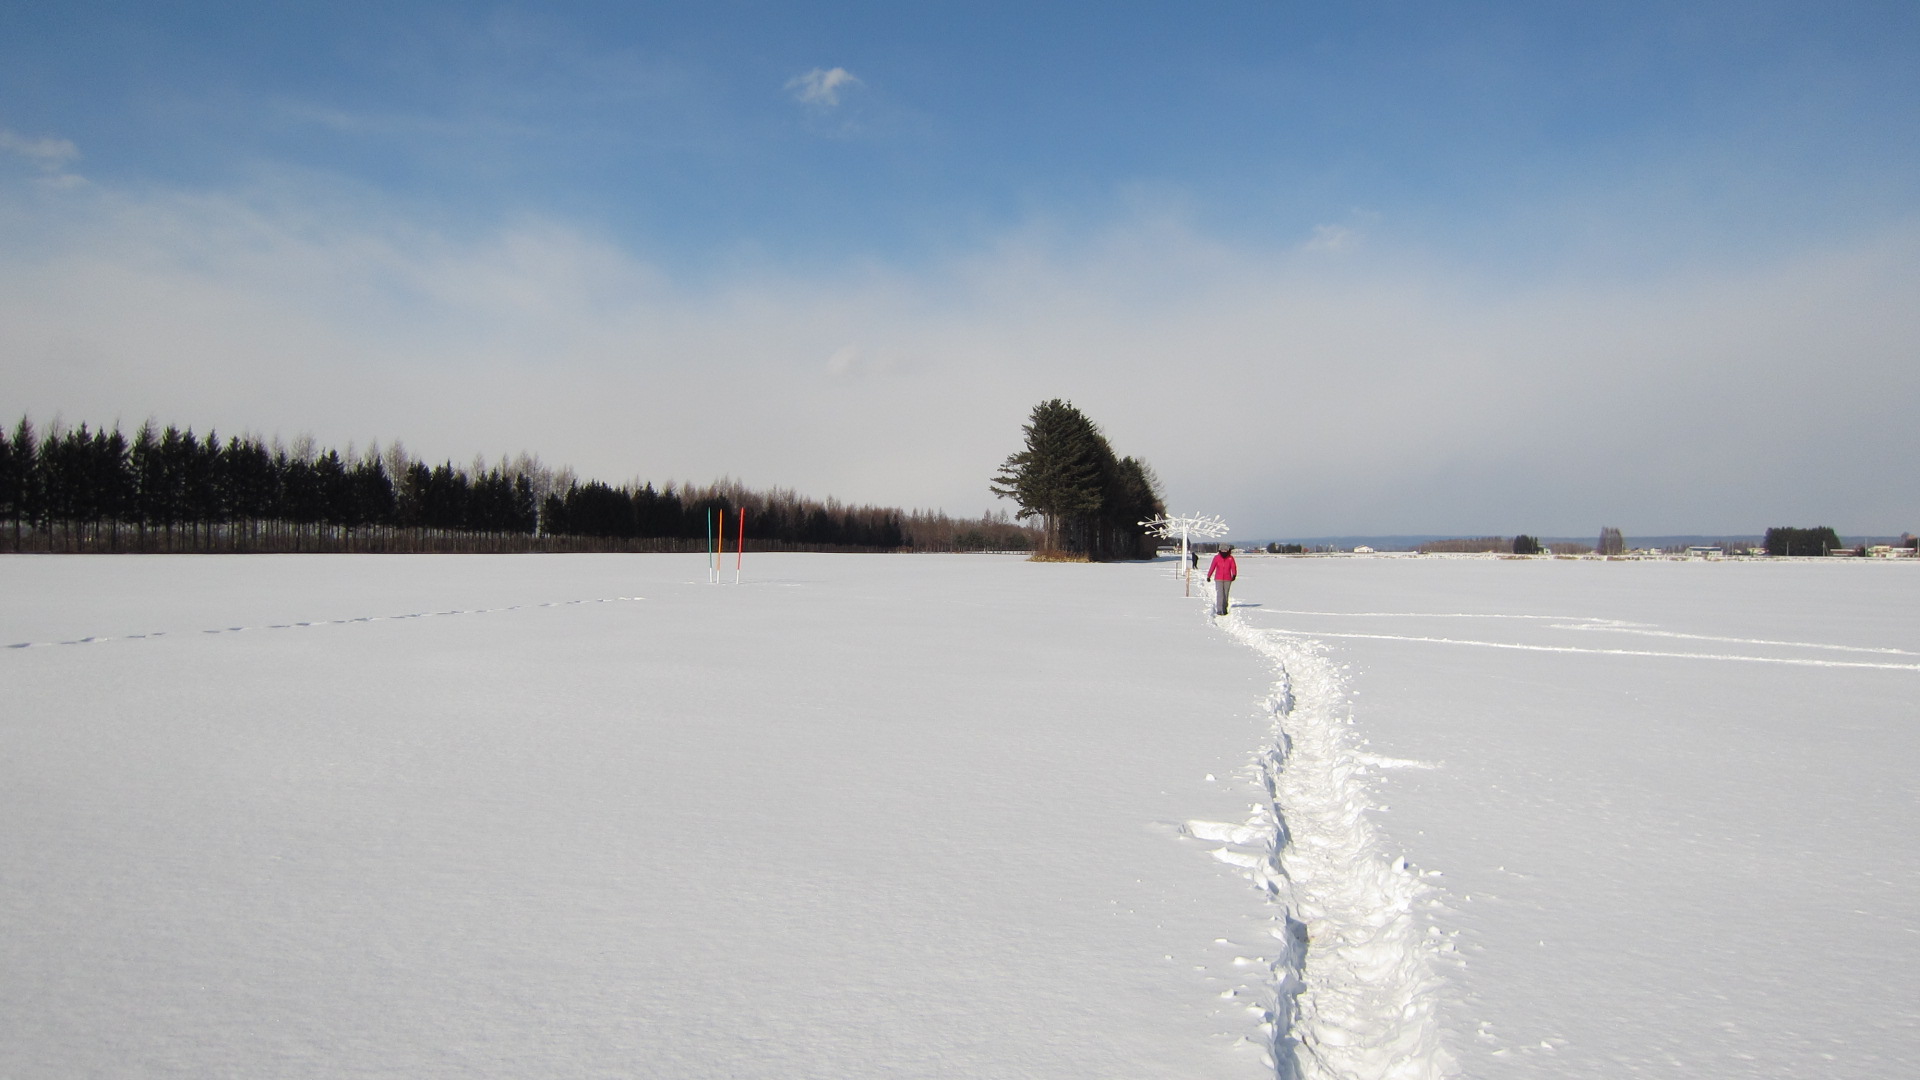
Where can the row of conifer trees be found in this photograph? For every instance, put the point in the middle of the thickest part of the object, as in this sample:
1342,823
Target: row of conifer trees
165,489
1092,502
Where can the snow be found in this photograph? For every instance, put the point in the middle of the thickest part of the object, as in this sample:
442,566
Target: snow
1665,809
859,816
955,816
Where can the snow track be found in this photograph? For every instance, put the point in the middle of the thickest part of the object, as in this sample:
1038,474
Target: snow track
102,639
1354,992
1585,623
1740,658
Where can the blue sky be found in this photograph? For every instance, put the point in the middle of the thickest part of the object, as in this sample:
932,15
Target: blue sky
1331,268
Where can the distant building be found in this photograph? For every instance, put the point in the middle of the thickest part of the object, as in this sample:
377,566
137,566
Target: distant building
1363,550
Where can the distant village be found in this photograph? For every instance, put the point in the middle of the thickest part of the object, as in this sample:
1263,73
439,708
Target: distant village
1778,543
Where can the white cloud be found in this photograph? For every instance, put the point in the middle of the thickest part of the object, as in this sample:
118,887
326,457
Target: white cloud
822,86
48,155
1331,238
1294,394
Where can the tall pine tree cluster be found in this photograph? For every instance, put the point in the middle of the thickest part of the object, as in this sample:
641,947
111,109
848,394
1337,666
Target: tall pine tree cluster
1787,540
1090,501
166,489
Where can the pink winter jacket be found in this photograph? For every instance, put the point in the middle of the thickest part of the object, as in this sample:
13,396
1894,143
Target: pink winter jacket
1223,567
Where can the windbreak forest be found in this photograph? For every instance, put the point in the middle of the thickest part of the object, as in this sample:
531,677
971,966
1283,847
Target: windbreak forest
168,490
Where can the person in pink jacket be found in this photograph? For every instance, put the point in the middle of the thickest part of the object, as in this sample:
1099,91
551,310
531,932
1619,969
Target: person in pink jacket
1221,571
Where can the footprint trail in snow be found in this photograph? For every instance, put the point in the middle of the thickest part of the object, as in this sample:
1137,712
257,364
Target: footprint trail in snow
307,624
1355,996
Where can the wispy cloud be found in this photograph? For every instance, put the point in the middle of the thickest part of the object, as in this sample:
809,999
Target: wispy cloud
422,128
49,156
1331,238
822,87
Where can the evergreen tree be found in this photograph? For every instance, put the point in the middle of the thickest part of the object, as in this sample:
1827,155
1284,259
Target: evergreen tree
250,481
171,482
303,501
61,498
13,472
411,495
201,461
113,475
656,513
1133,496
598,510
1058,476
333,489
30,495
444,502
1090,501
371,492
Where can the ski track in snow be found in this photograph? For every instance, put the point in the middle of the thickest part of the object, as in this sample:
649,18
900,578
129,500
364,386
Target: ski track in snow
1607,626
1444,615
1586,623
307,624
1354,993
1734,657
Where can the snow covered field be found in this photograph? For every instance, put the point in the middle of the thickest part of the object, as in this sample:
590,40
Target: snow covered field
1672,805
954,816
860,816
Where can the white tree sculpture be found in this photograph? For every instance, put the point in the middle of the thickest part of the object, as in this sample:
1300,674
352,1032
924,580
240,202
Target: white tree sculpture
1209,526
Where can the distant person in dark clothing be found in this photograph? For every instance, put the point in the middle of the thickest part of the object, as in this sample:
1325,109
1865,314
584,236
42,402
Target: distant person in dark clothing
1221,571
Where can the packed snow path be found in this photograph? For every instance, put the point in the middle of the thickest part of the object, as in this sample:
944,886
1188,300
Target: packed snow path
1355,996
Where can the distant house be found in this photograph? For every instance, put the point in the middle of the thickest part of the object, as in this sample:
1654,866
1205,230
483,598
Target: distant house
1363,550
1703,551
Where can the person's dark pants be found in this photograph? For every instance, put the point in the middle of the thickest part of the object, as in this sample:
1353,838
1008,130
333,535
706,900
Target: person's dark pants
1220,589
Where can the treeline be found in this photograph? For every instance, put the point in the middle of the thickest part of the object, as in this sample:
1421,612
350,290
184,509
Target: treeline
166,489
1474,545
1092,503
1522,544
599,510
777,517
